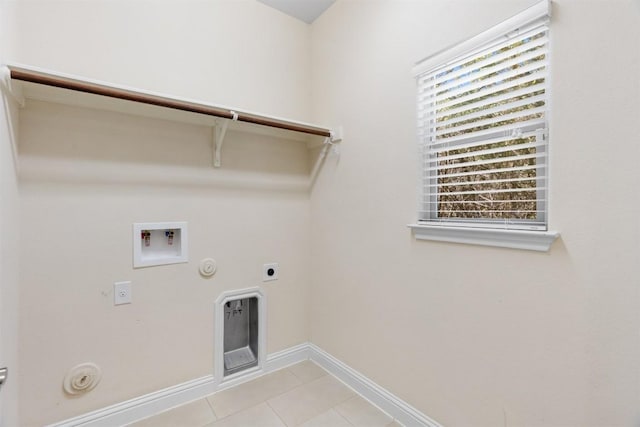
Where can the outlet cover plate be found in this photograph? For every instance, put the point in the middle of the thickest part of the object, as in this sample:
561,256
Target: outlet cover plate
270,272
122,293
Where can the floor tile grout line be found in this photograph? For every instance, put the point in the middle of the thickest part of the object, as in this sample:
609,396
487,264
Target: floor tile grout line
361,395
265,400
317,379
340,415
335,408
292,388
358,395
212,410
275,412
287,368
311,361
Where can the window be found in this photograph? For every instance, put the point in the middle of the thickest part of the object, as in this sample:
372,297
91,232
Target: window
483,129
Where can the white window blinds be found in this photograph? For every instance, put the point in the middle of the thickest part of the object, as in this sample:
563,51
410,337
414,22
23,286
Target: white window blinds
482,126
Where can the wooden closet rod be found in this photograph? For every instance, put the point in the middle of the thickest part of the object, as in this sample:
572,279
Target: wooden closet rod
43,78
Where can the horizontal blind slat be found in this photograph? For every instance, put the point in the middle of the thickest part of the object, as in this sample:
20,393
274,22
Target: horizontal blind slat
439,148
427,174
522,126
496,191
538,87
441,71
484,202
492,181
495,91
499,150
490,211
504,106
494,120
491,48
489,161
476,87
509,58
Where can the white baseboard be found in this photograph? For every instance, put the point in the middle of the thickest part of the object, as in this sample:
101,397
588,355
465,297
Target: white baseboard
144,406
401,411
153,403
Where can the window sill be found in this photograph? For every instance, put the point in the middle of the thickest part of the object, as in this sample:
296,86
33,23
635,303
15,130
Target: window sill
516,239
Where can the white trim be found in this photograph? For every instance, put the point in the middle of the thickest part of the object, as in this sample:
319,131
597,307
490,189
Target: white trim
515,239
540,10
401,411
144,406
11,94
163,400
287,357
15,91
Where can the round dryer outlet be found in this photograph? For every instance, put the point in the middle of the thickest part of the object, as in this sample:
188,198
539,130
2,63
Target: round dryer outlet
208,267
82,378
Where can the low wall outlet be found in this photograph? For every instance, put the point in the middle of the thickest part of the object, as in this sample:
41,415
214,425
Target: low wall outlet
122,293
270,272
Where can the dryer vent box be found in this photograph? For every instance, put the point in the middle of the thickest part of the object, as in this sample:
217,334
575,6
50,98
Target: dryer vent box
159,243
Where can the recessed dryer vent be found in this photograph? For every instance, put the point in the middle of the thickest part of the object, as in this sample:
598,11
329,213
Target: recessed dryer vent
240,334
240,345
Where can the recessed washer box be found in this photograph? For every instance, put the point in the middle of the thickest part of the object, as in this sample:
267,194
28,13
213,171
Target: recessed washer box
159,243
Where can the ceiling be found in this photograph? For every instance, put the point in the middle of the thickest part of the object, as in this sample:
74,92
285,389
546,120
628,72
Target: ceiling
304,10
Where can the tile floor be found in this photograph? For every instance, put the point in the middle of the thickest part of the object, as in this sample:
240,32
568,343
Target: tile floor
300,395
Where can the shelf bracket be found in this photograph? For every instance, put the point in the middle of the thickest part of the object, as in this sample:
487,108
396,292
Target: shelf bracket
7,87
336,135
219,132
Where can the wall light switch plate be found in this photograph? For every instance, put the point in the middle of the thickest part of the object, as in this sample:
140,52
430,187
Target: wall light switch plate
122,293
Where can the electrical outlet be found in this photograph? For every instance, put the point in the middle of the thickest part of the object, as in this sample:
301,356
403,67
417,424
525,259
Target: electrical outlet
270,272
121,293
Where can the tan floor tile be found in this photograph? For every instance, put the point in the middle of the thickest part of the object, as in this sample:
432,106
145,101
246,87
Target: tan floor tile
257,416
194,414
305,402
393,424
327,419
361,413
249,394
307,371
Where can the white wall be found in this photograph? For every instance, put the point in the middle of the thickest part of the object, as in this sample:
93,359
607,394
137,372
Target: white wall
9,226
475,335
87,175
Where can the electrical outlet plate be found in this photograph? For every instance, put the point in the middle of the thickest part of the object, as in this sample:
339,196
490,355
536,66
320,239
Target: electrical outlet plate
122,293
270,272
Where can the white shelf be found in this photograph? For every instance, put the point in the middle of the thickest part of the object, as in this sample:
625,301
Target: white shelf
25,82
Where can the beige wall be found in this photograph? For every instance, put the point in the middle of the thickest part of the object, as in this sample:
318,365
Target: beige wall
230,52
9,224
474,335
87,176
